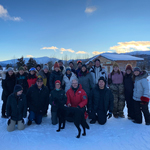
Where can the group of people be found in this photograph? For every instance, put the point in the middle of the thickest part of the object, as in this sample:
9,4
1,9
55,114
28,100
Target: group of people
98,95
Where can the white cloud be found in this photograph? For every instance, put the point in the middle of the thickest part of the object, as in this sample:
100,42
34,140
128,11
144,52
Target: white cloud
81,52
97,53
90,9
5,15
29,56
124,47
52,48
67,50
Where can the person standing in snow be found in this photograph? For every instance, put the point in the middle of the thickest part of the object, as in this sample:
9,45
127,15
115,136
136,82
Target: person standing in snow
141,96
100,102
21,79
67,79
97,71
76,97
31,79
71,65
128,90
16,109
55,75
86,80
37,100
8,84
115,81
56,95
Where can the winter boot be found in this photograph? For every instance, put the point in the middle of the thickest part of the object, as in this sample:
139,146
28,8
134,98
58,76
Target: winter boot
29,122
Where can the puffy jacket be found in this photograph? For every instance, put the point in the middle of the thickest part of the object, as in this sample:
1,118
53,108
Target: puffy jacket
16,107
141,87
38,99
95,97
68,81
8,84
31,80
56,96
78,98
86,81
102,72
63,69
22,80
53,77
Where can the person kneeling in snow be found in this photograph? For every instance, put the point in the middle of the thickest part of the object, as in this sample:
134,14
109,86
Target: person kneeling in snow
16,109
100,102
141,96
57,95
38,100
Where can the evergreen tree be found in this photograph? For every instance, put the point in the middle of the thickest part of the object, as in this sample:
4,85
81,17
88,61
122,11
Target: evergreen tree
20,62
31,63
1,68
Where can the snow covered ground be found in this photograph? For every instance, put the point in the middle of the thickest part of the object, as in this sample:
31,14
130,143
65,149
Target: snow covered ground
116,134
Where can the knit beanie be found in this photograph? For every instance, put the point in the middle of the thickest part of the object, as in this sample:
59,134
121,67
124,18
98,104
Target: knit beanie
128,67
9,69
17,88
68,68
56,65
21,68
57,81
39,78
115,65
102,78
137,69
45,67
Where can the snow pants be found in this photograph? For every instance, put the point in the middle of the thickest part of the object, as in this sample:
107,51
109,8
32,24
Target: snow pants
119,98
11,126
130,106
139,107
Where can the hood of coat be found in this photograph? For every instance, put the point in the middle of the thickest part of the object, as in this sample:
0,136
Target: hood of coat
142,75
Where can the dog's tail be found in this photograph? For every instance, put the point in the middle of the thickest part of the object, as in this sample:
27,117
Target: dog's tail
84,123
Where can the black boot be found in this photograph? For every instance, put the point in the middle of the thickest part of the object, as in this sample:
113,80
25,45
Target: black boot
92,121
29,122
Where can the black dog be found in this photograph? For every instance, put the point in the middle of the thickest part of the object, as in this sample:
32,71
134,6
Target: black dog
78,118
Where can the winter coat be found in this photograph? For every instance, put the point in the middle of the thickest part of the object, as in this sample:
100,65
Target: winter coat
86,81
22,80
94,100
68,81
16,107
38,99
128,86
45,78
63,70
141,87
102,72
78,98
31,80
8,84
56,96
77,71
53,77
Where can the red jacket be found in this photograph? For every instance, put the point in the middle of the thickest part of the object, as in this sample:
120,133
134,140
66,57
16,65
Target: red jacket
77,99
31,81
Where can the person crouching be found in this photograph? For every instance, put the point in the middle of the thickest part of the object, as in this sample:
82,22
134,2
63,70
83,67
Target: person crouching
16,109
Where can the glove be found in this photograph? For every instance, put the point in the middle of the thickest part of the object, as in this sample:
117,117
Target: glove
8,121
24,120
109,115
69,105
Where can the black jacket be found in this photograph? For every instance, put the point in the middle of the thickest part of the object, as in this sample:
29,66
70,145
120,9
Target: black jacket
22,80
53,77
8,85
128,86
57,98
38,99
95,97
16,107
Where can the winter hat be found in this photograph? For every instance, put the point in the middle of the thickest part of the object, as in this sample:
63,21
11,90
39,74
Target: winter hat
79,61
9,69
17,88
21,68
39,78
102,78
57,81
68,68
97,60
56,65
115,65
128,67
45,67
38,65
32,69
84,66
137,69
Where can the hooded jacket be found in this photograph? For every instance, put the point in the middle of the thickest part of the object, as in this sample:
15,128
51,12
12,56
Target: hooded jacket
141,87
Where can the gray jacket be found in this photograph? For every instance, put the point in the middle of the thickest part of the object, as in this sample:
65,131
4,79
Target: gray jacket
87,82
141,87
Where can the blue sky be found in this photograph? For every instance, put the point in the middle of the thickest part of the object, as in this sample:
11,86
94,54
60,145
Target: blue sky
76,28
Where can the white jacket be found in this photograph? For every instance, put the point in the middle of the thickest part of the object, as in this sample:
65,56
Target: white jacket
68,82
